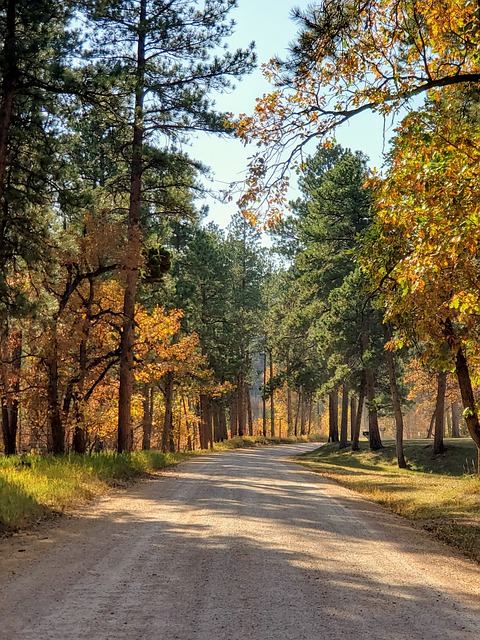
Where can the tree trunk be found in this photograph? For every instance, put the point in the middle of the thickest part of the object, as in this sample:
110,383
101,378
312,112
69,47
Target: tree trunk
373,429
297,414
206,422
344,419
168,440
431,425
233,416
219,422
272,399
455,420
358,416
470,411
223,423
333,416
289,411
303,413
147,418
397,405
241,406
448,426
264,396
310,411
248,401
353,415
79,440
438,446
190,440
9,426
216,422
193,409
56,441
133,250
10,403
289,399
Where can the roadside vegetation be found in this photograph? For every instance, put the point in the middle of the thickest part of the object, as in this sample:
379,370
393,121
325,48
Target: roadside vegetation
440,493
33,487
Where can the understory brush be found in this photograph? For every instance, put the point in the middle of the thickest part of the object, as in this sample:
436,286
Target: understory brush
242,442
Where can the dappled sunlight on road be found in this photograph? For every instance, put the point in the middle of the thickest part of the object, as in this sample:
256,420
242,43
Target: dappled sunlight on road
245,544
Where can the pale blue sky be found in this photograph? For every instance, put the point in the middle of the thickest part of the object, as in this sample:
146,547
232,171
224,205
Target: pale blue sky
268,23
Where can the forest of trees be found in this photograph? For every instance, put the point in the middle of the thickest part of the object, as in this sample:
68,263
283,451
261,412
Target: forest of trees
127,322
419,254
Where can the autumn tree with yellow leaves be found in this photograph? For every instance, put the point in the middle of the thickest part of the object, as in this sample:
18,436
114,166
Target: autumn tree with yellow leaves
428,231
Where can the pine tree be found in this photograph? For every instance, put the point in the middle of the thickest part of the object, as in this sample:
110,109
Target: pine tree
36,83
167,67
327,222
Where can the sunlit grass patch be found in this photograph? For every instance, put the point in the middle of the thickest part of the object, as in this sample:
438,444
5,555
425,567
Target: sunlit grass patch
34,486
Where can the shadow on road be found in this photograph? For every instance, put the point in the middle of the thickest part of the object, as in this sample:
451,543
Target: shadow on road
245,546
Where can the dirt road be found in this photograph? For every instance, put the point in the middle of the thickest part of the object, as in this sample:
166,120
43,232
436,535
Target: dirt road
242,545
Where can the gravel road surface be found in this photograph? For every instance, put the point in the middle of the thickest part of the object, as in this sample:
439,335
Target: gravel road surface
243,545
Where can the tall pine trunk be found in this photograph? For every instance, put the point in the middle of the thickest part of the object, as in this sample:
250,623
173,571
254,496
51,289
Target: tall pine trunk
303,413
353,415
289,411
397,405
289,400
133,250
248,402
233,416
438,446
10,402
344,419
297,413
219,421
333,416
264,396
358,415
190,436
373,428
272,398
241,413
147,418
455,420
205,422
310,413
168,440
